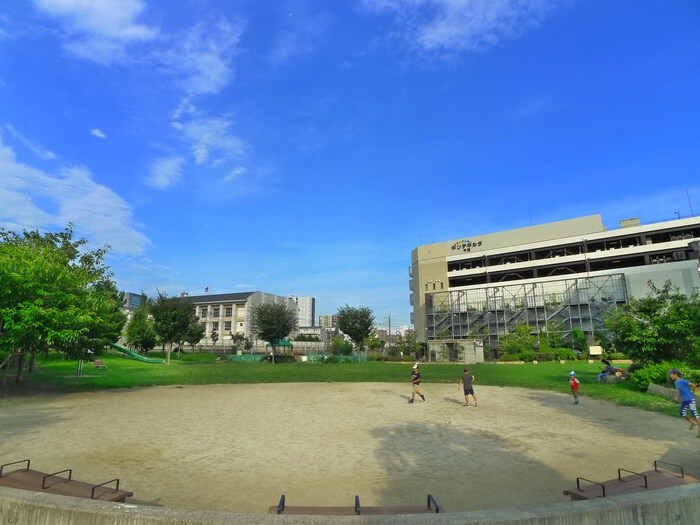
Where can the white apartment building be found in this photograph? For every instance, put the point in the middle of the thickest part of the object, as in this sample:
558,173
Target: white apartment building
230,313
562,275
306,308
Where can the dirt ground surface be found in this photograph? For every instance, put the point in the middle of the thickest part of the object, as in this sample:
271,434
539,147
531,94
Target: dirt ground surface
239,447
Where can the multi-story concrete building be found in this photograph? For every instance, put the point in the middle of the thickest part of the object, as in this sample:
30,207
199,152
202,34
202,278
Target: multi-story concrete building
329,322
306,307
230,313
557,276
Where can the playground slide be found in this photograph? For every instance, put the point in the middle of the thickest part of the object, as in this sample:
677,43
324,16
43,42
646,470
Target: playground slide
134,355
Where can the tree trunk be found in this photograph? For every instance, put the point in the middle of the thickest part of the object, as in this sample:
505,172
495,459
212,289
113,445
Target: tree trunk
20,367
273,353
32,362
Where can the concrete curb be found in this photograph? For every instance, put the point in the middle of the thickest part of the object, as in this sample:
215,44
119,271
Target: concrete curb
658,507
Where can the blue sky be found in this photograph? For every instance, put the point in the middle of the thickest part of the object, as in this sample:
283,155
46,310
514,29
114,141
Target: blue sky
304,147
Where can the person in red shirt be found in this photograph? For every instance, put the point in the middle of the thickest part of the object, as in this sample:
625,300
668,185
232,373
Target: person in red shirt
573,382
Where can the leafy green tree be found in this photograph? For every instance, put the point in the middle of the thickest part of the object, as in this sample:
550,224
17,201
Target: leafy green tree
194,333
663,326
272,322
140,334
374,343
172,317
340,346
237,340
408,343
518,341
579,340
55,293
357,323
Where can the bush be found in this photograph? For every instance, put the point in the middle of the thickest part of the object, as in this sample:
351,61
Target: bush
544,356
656,373
507,358
527,356
564,354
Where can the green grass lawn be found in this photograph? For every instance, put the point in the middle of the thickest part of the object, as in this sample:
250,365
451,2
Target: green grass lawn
201,369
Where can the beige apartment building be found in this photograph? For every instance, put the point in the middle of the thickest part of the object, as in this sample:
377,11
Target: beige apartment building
562,275
230,313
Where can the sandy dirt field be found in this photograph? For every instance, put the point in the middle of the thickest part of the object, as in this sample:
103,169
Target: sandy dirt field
239,447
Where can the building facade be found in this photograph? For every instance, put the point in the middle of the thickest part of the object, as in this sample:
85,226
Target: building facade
558,276
231,313
328,321
306,308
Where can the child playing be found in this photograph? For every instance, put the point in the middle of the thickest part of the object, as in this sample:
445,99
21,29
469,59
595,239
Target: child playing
573,382
686,391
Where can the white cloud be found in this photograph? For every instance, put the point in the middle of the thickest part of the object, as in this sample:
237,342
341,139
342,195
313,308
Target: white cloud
203,58
449,26
96,132
36,149
33,199
165,172
100,30
235,173
210,138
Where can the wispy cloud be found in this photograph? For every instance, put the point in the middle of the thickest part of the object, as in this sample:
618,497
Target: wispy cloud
300,37
35,148
33,199
235,173
100,30
453,26
210,139
165,172
202,59
96,132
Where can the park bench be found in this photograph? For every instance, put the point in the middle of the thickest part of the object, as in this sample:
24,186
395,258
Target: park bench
356,510
57,483
628,482
100,364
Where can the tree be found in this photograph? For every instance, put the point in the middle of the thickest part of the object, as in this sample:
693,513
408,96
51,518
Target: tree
237,339
357,323
54,293
519,340
172,317
140,334
663,326
340,346
194,333
272,322
373,342
408,343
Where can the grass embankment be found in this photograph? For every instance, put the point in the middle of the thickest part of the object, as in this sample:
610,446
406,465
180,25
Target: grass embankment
201,369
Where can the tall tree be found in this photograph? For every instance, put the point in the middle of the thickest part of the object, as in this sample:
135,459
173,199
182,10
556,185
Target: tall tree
172,317
357,323
272,322
140,333
663,326
55,293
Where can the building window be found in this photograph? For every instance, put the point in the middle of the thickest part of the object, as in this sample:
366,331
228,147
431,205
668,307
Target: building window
229,311
227,326
203,311
215,312
215,326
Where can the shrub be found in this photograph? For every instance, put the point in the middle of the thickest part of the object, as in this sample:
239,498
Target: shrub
544,356
564,354
654,373
509,357
526,356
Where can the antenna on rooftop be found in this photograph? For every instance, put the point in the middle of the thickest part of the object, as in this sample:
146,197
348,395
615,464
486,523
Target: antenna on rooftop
689,203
